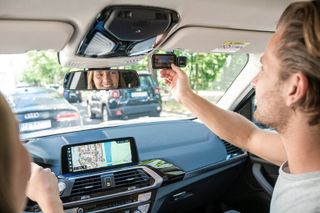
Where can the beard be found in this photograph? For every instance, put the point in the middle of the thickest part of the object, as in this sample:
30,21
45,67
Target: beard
272,111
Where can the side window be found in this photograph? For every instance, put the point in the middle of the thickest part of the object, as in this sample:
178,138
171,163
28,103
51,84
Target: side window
247,109
146,81
143,82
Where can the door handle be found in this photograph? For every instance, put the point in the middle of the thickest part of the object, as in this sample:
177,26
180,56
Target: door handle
257,173
181,195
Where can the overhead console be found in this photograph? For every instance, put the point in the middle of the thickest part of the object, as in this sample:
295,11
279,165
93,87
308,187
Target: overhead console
121,31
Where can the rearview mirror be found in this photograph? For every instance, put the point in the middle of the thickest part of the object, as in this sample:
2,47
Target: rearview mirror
101,79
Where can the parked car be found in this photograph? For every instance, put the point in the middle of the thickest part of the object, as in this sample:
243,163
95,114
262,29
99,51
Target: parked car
127,103
72,96
54,86
38,108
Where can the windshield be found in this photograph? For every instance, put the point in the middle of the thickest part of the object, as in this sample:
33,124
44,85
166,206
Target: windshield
32,84
25,97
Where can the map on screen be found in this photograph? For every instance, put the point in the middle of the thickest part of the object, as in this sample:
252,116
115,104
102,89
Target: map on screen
98,155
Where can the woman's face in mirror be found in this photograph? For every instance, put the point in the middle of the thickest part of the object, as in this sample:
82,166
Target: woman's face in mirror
106,79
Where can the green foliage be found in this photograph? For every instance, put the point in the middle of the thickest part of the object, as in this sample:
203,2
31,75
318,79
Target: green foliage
203,68
213,71
142,65
206,71
43,68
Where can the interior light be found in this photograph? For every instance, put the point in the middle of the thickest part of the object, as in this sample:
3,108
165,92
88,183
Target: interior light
99,45
143,47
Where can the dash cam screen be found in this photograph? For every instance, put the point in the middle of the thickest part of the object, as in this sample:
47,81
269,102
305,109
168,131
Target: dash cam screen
163,61
99,155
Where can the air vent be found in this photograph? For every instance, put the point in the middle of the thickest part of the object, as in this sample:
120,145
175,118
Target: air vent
87,185
120,181
134,178
232,151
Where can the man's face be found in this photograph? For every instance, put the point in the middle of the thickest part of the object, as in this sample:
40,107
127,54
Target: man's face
106,79
271,108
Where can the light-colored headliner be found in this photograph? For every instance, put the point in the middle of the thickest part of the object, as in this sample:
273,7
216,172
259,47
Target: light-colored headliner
252,15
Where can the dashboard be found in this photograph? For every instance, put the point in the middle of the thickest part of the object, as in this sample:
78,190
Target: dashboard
138,168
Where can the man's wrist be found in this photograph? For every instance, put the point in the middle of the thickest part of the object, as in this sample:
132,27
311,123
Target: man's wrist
187,96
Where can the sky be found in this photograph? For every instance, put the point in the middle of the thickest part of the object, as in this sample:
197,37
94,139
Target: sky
11,67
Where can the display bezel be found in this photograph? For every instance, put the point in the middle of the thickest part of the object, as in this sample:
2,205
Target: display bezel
64,156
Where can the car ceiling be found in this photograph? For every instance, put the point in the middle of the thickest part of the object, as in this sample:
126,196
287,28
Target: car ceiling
61,25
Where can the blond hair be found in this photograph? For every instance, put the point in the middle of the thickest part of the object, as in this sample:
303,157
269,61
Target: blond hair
91,84
6,151
299,51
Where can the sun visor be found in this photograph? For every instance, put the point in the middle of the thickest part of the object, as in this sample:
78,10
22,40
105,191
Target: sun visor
205,39
19,36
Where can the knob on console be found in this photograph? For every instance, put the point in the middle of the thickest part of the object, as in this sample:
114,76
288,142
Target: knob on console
61,186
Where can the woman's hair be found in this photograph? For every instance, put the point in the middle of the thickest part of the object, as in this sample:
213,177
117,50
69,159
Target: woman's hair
6,151
299,51
90,81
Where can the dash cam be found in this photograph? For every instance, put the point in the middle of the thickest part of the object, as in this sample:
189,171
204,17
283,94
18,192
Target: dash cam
164,61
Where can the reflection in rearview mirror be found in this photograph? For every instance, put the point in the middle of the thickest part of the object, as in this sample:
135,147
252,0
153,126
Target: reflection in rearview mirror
101,79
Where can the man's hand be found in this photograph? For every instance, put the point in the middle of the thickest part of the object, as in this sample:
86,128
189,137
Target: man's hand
177,81
43,189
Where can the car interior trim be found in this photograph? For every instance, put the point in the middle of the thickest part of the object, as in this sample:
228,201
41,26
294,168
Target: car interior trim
36,35
156,184
188,37
257,173
237,160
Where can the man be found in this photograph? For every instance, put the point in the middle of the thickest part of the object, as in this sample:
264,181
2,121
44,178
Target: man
288,99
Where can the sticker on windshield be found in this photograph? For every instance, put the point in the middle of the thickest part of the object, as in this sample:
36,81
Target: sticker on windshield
231,46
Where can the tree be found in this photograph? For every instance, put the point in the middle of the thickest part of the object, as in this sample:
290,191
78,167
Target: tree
43,68
203,68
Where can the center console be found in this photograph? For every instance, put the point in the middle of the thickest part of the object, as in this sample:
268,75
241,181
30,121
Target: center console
126,190
104,176
107,176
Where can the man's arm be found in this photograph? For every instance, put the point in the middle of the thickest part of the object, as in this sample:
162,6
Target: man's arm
230,126
236,129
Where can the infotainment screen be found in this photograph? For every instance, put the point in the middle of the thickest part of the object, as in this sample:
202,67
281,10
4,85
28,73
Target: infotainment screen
98,155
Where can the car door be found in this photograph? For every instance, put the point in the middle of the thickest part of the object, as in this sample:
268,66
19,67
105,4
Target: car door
265,172
253,189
